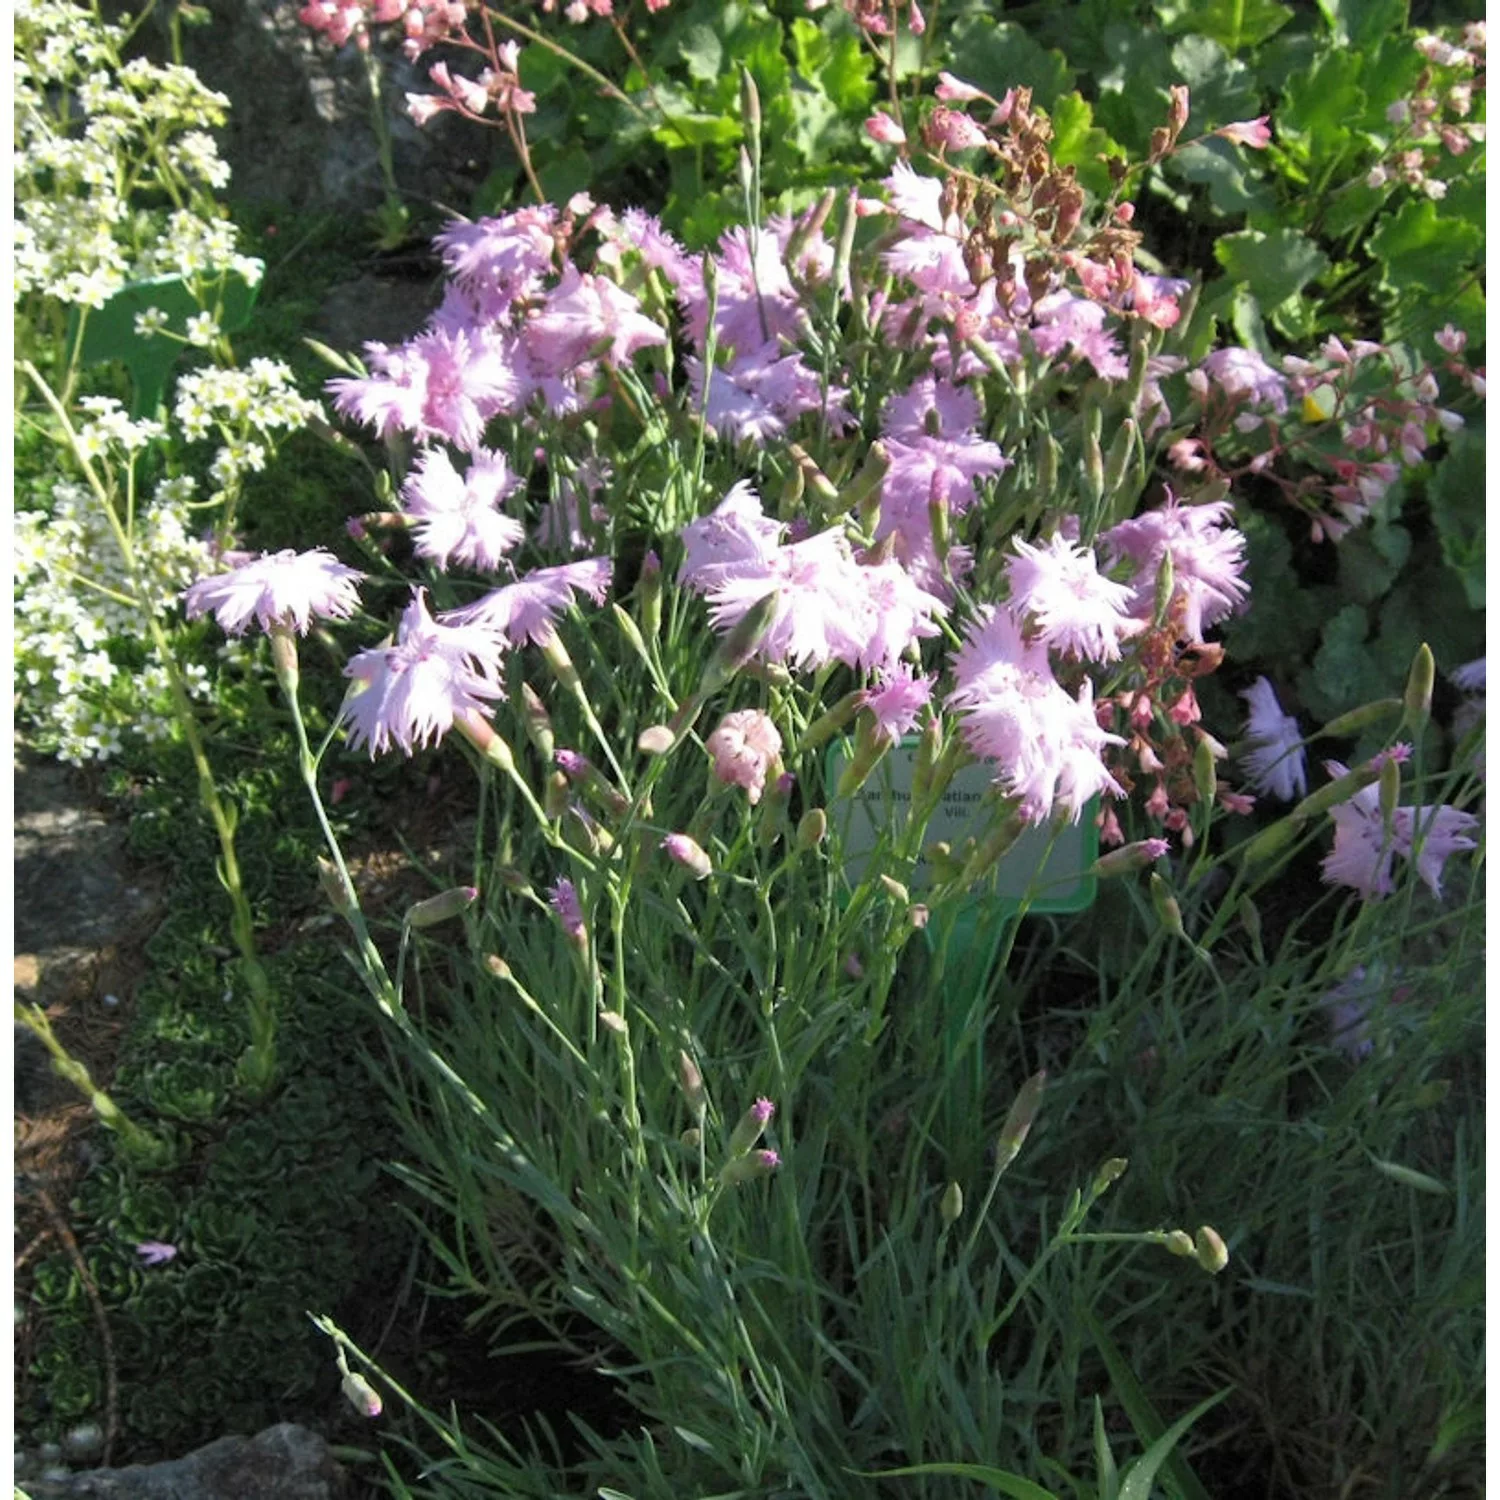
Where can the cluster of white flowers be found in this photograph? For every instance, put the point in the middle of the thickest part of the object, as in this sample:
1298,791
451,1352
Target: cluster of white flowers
73,602
89,131
246,408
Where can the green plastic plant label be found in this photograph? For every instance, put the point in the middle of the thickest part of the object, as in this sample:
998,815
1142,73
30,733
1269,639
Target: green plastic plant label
1044,870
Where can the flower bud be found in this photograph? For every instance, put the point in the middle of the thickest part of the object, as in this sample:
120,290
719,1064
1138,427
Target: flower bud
1093,467
1390,788
895,890
441,907
538,722
749,102
631,631
691,1079
1180,1242
1357,720
497,966
1019,1121
1417,700
555,795
1129,858
1249,915
1168,912
1166,585
688,853
361,1395
748,1168
1108,1175
655,740
1120,450
1269,841
1212,1252
332,886
748,1131
649,590
952,1204
1334,793
813,829
826,725
692,1138
1205,775
865,486
739,645
613,1021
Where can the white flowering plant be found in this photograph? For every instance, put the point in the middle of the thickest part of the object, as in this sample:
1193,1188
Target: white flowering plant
885,475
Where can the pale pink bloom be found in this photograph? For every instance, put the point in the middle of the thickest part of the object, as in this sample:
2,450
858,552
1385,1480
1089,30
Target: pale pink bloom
1208,559
1277,762
1076,610
277,588
526,609
896,613
440,384
1062,320
581,314
421,108
881,127
1242,372
744,747
500,261
457,516
413,690
736,535
1362,852
1047,744
918,198
762,391
643,233
156,1252
757,302
1444,831
820,611
896,701
1254,133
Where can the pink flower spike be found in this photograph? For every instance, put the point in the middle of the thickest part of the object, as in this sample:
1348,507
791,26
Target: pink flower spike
277,588
414,690
156,1252
1253,133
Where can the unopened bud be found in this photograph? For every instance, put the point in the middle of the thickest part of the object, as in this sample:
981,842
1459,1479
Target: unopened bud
656,740
441,907
749,101
1269,841
1205,776
1417,700
1249,915
614,1021
1180,1242
1093,467
1357,720
361,1395
555,795
1335,793
691,1079
1168,912
748,1168
649,589
918,915
497,966
739,645
1019,1121
692,1138
1166,584
826,725
895,890
1129,858
333,886
1390,788
1046,464
688,853
631,631
538,722
865,486
1108,1175
1212,1252
813,829
1120,450
748,1131
952,1204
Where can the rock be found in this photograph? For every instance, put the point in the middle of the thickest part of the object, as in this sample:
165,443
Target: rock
285,1462
300,131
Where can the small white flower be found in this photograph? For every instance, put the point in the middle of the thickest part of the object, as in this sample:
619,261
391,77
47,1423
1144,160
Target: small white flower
1277,763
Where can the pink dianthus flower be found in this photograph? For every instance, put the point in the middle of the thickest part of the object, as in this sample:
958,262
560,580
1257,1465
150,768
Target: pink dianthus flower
526,609
414,690
1276,762
744,748
1077,610
457,515
277,588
